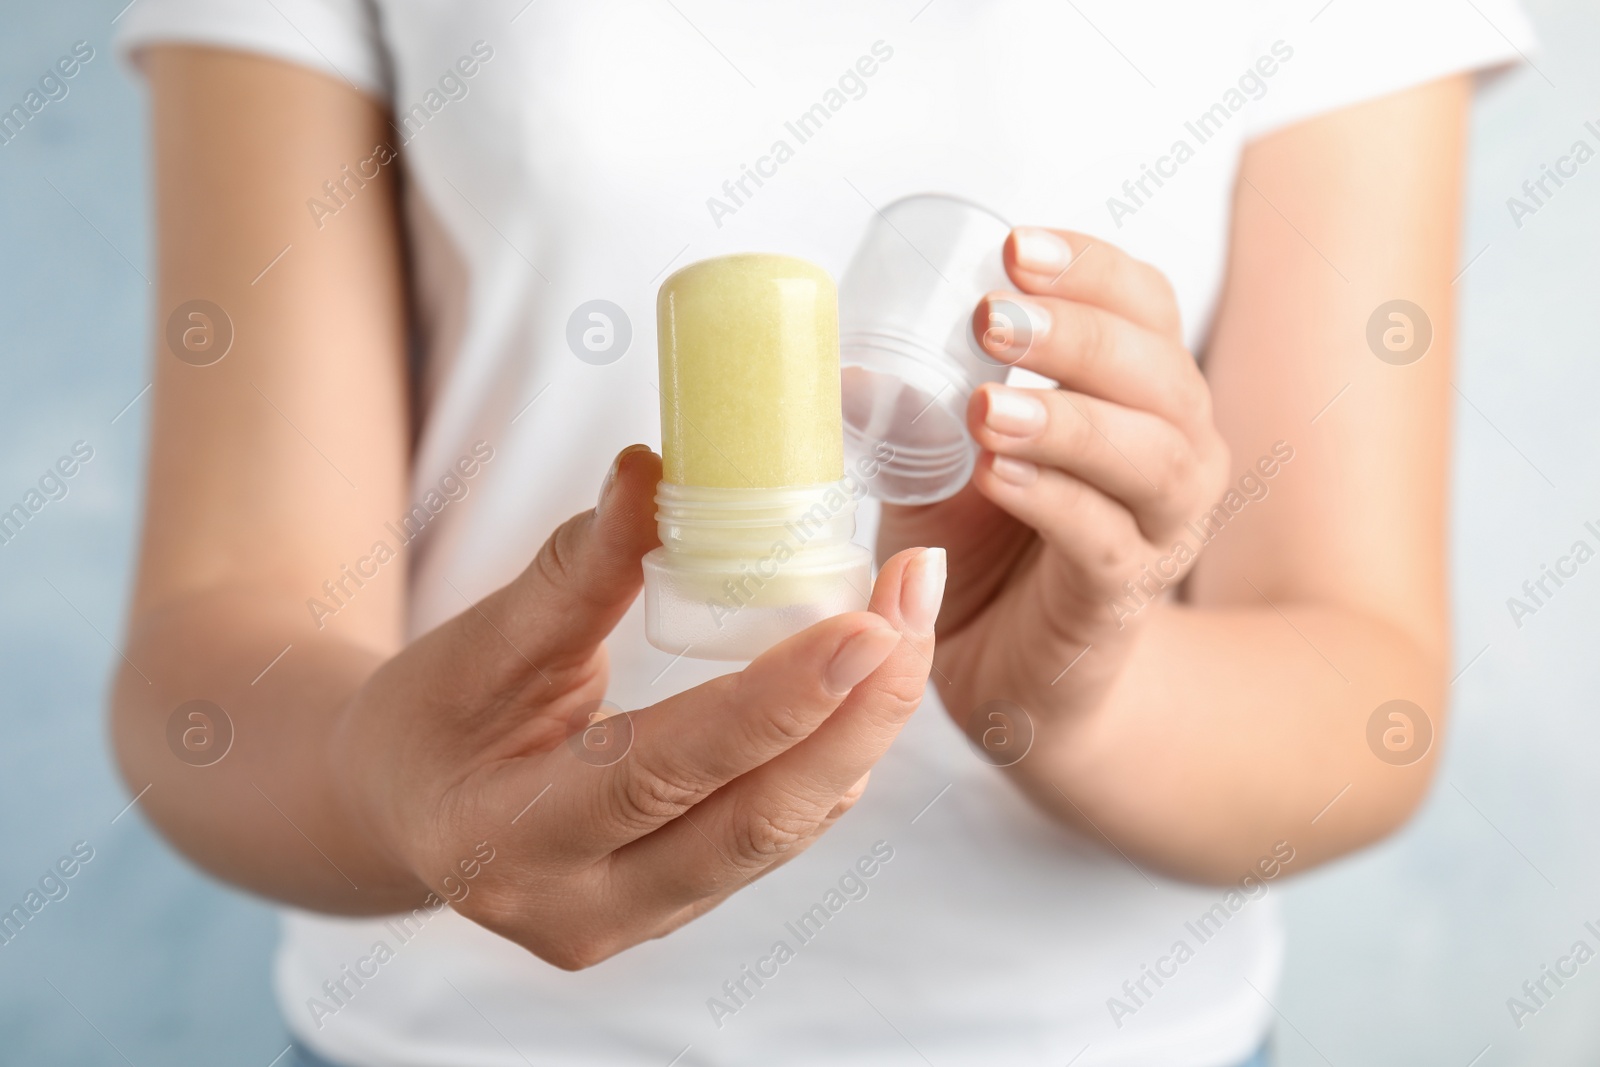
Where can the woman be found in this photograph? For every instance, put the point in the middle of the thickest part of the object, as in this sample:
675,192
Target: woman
1186,600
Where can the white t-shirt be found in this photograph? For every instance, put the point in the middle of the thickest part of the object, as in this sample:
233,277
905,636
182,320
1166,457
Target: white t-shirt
558,153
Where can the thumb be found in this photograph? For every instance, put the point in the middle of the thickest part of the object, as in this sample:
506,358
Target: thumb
586,574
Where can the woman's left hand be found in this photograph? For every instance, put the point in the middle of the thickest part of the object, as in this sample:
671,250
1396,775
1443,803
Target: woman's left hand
1078,490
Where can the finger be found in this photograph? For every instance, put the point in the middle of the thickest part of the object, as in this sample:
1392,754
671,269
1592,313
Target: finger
584,577
1091,350
781,806
688,746
1075,266
704,904
1136,458
1097,537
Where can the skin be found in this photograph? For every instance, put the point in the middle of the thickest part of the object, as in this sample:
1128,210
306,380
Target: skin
1196,733
365,770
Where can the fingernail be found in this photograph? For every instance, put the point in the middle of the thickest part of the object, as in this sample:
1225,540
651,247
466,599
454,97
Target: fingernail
858,657
922,590
1015,471
1039,250
1011,325
611,475
1014,412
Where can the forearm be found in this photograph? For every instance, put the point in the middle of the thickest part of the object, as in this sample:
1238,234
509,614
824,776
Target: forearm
1231,729
268,815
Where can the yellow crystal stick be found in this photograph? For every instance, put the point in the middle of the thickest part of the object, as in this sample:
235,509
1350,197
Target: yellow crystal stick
749,350
756,516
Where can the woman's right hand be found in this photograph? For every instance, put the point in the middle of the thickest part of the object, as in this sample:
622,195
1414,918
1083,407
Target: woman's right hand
461,741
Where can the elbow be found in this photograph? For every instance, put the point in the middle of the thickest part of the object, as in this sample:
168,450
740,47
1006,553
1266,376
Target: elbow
128,727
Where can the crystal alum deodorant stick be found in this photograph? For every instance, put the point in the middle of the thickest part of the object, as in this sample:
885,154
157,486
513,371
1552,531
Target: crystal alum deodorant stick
754,512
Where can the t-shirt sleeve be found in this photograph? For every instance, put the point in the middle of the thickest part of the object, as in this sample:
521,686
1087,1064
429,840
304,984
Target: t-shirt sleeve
1349,51
340,38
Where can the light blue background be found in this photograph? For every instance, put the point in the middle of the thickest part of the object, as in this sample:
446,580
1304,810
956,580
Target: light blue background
1403,955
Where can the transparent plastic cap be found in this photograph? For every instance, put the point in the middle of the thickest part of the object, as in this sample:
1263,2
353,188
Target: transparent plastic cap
908,360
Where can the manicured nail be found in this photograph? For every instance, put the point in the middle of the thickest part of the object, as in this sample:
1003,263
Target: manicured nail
1012,324
1039,250
922,590
1014,412
1016,471
858,657
611,475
